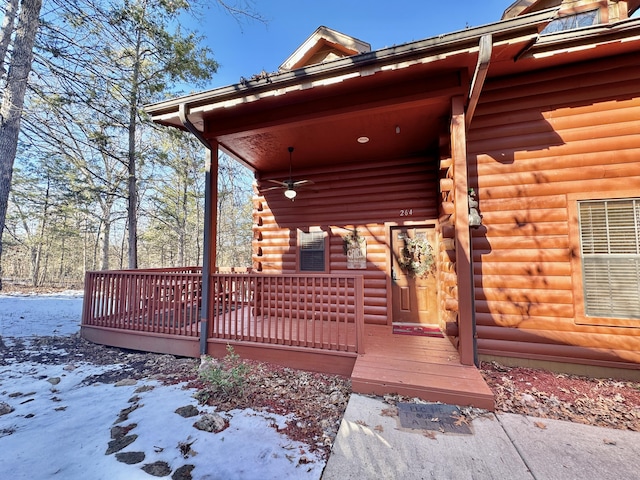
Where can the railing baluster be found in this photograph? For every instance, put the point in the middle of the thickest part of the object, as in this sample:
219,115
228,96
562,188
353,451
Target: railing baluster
292,298
264,306
303,307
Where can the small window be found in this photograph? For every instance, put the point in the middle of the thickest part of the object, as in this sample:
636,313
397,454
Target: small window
610,248
312,251
572,22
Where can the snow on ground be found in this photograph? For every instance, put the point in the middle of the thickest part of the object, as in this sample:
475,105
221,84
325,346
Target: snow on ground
61,427
23,315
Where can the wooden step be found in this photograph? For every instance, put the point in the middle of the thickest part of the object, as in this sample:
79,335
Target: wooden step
414,366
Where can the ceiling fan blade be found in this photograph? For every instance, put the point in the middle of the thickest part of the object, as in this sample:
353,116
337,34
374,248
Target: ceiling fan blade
299,183
268,189
279,182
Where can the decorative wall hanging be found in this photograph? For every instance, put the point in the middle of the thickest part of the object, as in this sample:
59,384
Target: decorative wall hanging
355,247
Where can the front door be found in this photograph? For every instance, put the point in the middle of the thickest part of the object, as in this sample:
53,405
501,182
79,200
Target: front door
413,275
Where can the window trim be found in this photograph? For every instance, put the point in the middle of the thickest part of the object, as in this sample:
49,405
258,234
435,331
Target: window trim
580,316
601,6
558,23
298,233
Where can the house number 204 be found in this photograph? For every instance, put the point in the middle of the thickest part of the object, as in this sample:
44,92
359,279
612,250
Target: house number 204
406,212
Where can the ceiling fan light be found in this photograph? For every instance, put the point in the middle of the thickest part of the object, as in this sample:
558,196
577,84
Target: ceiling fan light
290,193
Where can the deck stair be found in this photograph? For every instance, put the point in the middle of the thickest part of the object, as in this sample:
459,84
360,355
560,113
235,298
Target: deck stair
425,367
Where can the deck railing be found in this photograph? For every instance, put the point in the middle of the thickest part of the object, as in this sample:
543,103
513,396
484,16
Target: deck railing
316,311
163,301
310,311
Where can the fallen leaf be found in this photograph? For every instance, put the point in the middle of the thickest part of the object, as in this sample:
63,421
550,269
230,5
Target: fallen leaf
379,428
609,442
460,420
429,434
362,422
540,425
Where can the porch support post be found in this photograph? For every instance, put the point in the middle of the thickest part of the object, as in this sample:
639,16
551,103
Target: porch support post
210,240
210,223
464,260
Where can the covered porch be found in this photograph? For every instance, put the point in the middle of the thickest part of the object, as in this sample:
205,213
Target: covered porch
362,146
311,322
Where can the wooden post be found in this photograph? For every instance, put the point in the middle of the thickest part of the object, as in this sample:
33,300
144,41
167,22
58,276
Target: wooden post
464,267
210,223
210,240
359,313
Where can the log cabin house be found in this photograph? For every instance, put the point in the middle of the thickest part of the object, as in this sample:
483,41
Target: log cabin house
472,195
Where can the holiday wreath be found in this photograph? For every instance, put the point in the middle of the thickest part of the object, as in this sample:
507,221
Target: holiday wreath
416,257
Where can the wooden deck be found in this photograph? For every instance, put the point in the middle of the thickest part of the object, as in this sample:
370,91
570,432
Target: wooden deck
424,367
306,322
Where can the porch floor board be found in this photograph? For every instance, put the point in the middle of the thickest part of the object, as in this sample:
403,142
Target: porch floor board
435,373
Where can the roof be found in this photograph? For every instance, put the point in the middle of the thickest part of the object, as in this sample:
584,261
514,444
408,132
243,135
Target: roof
324,45
397,96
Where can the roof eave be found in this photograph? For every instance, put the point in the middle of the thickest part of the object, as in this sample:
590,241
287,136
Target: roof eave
532,23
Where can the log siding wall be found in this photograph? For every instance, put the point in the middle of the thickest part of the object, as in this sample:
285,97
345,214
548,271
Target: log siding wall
536,141
362,196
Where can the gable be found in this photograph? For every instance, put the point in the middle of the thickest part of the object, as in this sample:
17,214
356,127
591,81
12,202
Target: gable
324,45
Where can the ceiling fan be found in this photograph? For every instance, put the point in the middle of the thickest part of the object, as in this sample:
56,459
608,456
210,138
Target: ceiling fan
289,185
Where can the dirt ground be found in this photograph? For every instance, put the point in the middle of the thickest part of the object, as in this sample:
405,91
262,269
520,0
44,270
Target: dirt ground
318,401
603,402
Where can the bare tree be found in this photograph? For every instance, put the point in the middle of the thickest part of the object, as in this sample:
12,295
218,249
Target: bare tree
8,25
13,97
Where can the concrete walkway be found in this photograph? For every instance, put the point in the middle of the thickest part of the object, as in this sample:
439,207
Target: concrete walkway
370,445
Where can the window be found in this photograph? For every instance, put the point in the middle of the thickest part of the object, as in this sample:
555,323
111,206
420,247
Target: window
572,22
610,248
312,251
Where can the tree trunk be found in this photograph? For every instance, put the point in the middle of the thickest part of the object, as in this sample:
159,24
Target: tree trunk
13,100
10,12
107,206
36,255
133,188
182,219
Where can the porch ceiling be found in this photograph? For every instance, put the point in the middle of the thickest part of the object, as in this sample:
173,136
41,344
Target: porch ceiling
324,125
392,133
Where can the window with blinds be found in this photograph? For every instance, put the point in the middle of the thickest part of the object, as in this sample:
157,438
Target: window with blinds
610,247
312,251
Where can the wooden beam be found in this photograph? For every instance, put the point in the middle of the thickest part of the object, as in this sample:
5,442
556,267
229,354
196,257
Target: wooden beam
466,316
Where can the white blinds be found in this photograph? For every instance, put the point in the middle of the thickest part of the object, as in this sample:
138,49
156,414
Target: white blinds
611,257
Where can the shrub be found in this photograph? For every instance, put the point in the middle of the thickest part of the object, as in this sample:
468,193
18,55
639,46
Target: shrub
223,379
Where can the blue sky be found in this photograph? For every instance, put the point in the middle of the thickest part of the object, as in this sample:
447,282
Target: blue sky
249,47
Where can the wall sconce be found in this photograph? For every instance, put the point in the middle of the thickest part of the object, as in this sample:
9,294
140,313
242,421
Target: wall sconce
475,220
